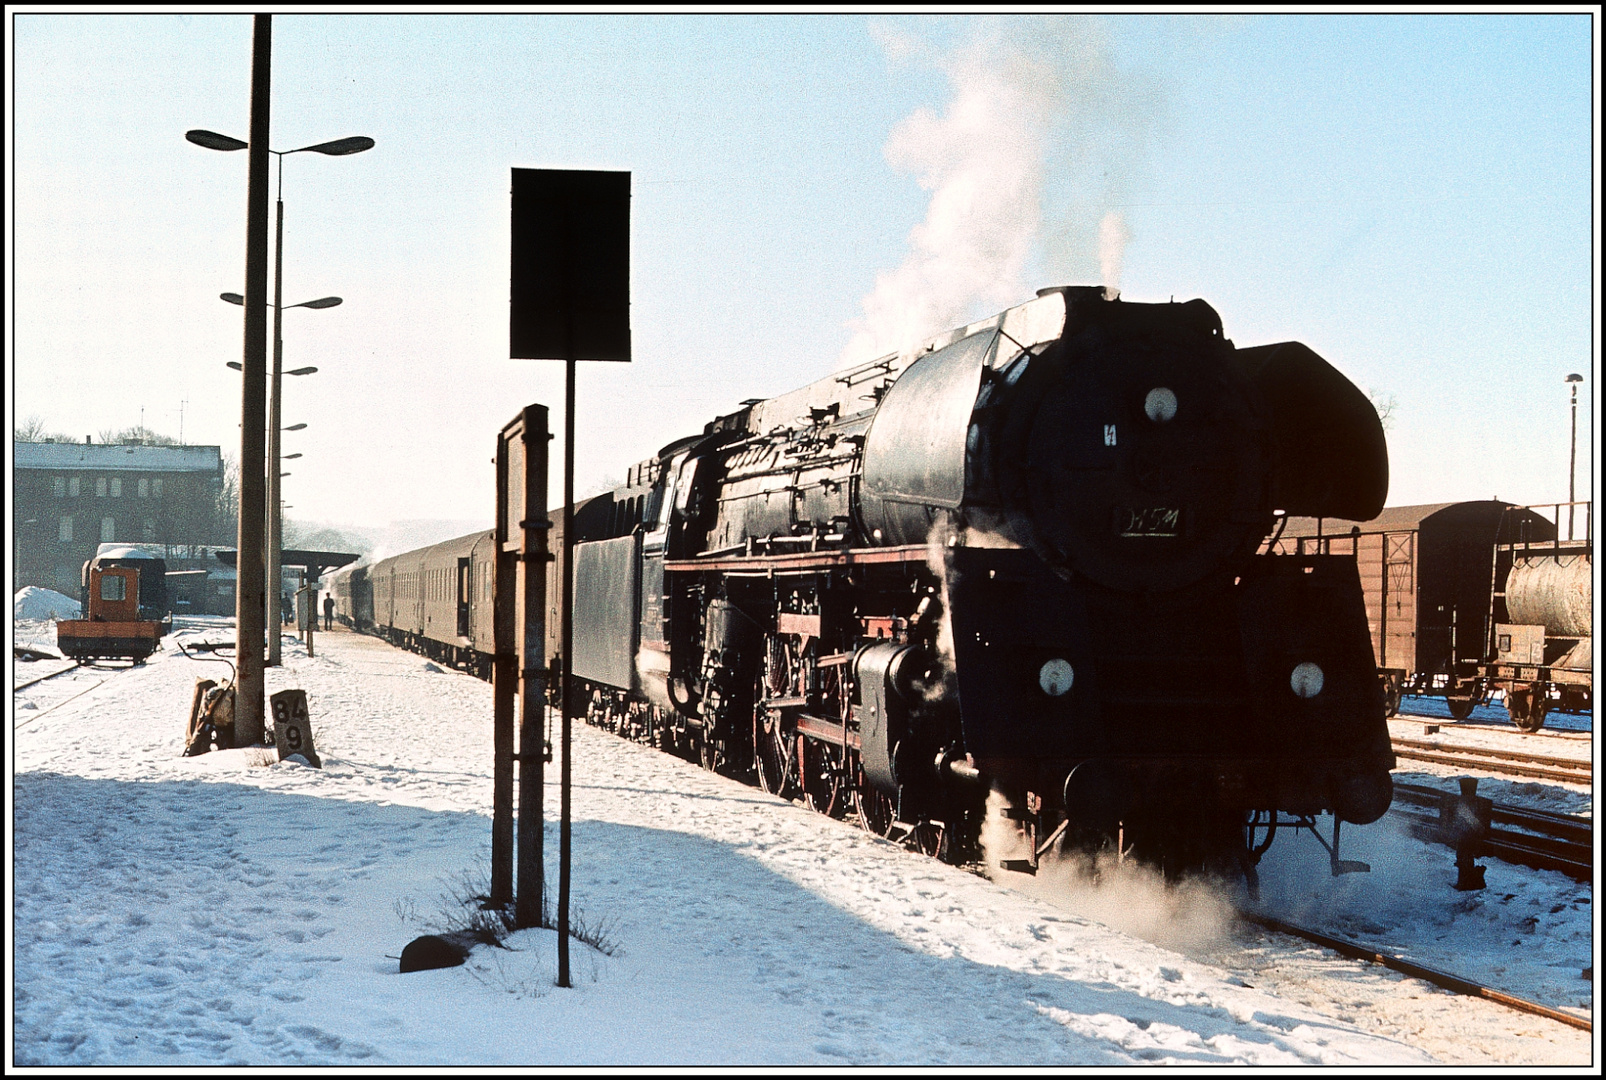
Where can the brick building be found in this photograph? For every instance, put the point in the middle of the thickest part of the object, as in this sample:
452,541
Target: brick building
69,498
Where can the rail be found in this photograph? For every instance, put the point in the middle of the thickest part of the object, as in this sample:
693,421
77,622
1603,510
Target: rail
1535,838
1455,983
1507,762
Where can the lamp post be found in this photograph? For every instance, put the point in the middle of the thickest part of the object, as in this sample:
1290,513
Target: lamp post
356,144
275,522
1572,458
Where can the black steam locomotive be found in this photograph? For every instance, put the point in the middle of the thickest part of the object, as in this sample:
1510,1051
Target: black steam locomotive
1022,558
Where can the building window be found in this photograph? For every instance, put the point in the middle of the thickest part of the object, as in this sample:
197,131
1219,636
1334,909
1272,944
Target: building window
100,487
58,486
144,487
66,527
117,487
156,487
150,528
108,529
72,487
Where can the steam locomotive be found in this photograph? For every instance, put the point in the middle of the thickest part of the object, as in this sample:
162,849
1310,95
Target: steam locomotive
1023,558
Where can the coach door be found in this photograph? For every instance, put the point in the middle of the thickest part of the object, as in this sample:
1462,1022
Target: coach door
462,597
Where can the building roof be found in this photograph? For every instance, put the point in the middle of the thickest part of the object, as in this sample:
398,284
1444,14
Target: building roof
116,457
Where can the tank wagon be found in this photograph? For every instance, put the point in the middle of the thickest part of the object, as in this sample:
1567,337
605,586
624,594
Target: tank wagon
1024,558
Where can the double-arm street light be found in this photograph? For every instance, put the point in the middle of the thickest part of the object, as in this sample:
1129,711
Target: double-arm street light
338,148
275,522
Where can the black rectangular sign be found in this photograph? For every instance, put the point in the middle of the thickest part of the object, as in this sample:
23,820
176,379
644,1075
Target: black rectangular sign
570,282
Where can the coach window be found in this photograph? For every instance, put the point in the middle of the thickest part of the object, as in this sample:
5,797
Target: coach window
117,487
108,529
66,527
100,487
144,487
72,487
58,486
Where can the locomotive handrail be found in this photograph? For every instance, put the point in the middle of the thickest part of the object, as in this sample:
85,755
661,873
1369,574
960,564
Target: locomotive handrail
800,561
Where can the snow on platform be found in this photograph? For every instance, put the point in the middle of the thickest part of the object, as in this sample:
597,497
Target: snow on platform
219,911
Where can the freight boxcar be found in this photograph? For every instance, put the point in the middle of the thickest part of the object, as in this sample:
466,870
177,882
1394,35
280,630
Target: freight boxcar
1434,578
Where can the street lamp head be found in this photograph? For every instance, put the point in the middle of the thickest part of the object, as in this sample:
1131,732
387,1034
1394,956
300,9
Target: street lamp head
288,457
302,371
294,427
236,365
340,147
233,298
1575,377
321,302
213,141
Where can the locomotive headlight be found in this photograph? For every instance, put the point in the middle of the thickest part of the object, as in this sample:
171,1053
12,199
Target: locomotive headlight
1056,677
1160,405
1306,680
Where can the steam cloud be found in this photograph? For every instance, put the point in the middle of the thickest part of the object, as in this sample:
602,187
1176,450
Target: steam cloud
1039,116
1192,916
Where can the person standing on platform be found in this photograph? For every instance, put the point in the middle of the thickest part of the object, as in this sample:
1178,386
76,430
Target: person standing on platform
329,612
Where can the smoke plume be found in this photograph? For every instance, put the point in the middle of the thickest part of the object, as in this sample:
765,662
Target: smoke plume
1024,164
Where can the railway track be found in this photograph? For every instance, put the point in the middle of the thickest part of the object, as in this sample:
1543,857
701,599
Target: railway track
42,678
1505,762
1535,838
1454,983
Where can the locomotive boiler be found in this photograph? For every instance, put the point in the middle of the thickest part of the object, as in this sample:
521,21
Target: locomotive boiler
1021,558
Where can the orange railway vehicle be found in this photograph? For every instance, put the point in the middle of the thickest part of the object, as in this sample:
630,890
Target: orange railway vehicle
113,629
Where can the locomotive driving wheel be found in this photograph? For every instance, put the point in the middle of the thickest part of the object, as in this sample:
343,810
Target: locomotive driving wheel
824,788
877,814
775,751
775,754
932,838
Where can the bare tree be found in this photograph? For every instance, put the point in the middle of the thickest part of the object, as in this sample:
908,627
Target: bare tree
300,535
226,507
139,433
1386,406
33,430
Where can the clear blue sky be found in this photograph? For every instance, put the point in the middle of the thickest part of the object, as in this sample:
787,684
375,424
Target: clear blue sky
1410,195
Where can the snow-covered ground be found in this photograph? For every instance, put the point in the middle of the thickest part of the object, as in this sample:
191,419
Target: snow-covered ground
235,910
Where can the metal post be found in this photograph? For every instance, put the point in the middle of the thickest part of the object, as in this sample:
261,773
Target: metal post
568,665
504,676
530,905
312,608
275,510
249,599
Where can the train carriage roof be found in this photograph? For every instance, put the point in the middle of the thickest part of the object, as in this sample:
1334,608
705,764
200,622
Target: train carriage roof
1484,513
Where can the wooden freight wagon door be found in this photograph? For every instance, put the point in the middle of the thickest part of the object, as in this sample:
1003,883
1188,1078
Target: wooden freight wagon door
1395,628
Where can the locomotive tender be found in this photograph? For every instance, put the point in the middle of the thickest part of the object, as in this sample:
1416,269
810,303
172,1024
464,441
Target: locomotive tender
1022,558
